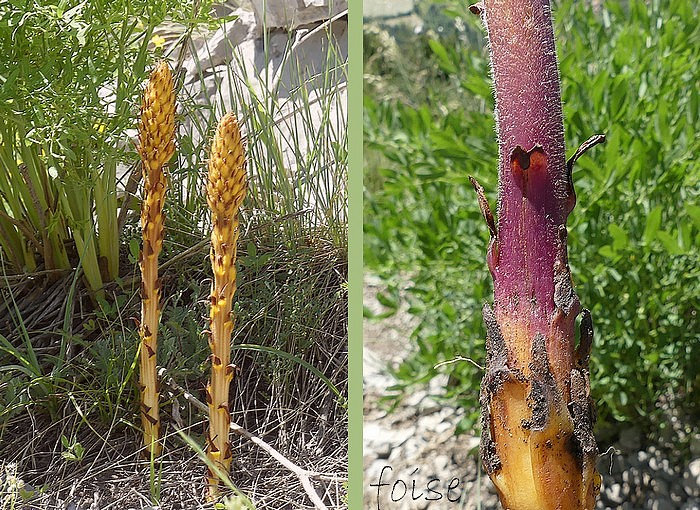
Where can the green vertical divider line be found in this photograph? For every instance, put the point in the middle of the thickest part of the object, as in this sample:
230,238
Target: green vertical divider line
355,254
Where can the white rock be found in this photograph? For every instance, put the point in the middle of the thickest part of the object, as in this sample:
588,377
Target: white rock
387,8
694,469
614,494
691,504
382,441
441,464
471,443
691,479
289,14
443,426
219,47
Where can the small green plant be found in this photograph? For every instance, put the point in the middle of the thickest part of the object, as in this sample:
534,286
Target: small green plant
233,503
74,451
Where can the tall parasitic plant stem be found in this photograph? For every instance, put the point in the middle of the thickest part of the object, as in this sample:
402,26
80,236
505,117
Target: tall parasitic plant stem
156,147
226,188
537,415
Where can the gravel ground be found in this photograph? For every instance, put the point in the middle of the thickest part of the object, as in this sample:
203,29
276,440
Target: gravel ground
414,460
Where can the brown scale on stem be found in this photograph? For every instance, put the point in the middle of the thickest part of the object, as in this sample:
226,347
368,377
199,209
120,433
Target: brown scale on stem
156,148
226,188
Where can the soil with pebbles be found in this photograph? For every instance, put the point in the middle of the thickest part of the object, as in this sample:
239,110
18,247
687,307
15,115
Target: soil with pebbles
414,460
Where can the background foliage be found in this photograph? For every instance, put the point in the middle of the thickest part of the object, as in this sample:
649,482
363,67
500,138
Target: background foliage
70,80
627,70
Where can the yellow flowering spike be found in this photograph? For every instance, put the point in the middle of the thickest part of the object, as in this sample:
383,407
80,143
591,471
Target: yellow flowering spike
226,187
156,147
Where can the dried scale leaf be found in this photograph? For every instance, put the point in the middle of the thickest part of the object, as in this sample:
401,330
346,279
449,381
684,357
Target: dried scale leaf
226,188
156,148
537,415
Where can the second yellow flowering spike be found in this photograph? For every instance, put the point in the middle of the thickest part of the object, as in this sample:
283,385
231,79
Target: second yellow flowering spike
226,188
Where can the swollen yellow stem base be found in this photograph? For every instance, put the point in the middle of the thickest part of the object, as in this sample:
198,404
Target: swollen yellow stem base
537,442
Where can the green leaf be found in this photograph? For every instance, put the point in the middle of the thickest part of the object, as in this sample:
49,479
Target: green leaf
684,229
444,59
70,456
652,225
387,300
694,213
367,313
226,19
27,494
615,274
449,311
652,357
661,122
607,251
477,86
79,450
669,242
134,250
620,238
619,96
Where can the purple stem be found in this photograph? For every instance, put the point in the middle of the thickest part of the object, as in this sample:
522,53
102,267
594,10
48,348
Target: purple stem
534,196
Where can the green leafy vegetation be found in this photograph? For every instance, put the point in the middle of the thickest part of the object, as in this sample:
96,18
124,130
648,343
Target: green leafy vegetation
64,110
627,71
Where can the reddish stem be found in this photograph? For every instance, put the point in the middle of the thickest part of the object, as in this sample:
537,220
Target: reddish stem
532,167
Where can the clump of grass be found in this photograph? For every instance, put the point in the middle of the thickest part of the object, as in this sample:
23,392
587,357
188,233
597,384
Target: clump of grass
63,129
